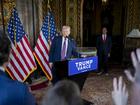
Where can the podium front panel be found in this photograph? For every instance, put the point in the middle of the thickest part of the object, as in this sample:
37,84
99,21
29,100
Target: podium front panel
81,65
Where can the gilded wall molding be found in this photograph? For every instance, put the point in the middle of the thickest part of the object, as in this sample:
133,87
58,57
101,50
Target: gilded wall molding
130,15
56,8
79,23
7,10
133,15
71,16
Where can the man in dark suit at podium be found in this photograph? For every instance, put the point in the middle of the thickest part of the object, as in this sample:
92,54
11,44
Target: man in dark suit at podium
103,44
62,48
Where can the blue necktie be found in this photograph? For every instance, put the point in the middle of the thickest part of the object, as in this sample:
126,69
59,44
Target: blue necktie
63,50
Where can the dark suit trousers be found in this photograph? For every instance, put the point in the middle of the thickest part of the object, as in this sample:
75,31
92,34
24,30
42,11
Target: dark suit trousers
103,59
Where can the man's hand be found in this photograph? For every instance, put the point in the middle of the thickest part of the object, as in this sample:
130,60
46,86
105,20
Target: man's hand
135,99
136,64
83,56
51,64
119,93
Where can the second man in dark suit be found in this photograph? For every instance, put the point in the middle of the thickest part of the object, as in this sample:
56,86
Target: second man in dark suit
103,44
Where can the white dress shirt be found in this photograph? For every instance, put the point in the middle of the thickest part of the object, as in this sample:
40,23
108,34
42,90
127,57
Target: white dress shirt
104,37
2,69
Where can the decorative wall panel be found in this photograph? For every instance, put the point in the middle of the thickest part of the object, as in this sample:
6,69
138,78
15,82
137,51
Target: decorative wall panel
79,17
71,16
133,21
27,17
5,12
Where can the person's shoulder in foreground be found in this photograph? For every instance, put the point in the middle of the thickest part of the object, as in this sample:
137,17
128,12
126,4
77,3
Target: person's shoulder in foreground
13,92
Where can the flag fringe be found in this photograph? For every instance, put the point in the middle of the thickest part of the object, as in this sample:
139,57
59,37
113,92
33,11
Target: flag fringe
25,77
47,74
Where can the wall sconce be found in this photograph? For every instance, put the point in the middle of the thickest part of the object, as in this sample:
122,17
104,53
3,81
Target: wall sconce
104,2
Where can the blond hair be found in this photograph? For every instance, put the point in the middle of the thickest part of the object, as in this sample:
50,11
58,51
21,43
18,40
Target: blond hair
66,27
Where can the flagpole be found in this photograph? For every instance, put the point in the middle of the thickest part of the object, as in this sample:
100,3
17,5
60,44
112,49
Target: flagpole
15,40
49,9
14,28
33,23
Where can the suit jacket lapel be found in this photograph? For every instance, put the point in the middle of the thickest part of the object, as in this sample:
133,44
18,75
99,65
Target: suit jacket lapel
101,39
60,43
2,73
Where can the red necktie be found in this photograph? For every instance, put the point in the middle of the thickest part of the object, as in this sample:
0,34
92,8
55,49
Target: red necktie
63,50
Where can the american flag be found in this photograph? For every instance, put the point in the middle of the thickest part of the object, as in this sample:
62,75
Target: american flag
41,52
22,62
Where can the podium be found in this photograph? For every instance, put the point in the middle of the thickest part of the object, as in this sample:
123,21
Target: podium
76,70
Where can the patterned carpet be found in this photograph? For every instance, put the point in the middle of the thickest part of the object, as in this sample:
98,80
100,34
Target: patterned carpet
97,89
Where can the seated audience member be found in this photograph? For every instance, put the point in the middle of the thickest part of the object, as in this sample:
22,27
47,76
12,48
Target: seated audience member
119,93
63,93
11,92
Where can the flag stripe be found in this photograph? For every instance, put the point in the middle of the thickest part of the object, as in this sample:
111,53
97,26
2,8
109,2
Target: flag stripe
45,41
24,61
15,60
42,57
31,57
8,70
18,64
16,69
44,51
18,59
11,69
43,67
14,72
25,56
45,64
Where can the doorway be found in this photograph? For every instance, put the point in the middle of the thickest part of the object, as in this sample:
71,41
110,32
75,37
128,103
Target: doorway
96,15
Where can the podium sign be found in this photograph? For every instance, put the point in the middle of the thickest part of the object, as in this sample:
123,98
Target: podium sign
81,65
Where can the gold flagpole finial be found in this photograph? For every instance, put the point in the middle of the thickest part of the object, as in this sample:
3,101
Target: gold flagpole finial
48,5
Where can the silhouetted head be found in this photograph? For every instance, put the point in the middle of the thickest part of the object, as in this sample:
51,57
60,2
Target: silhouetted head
104,30
4,48
63,93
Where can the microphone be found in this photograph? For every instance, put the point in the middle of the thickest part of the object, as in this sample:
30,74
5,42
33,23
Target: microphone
67,36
